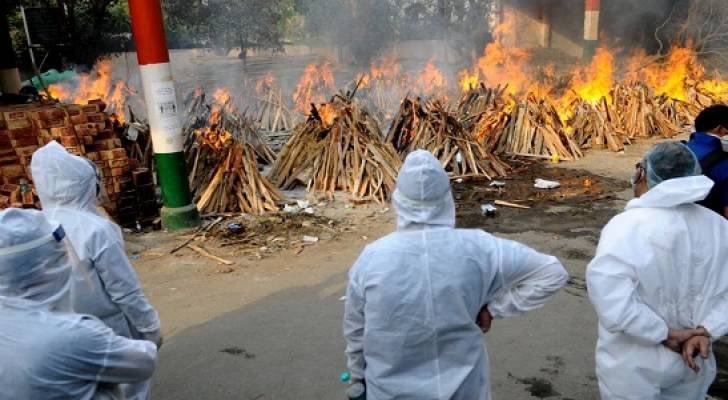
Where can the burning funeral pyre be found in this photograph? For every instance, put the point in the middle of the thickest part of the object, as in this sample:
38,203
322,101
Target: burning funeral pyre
339,147
223,151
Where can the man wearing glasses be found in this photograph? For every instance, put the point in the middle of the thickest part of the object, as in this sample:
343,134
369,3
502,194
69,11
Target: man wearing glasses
659,286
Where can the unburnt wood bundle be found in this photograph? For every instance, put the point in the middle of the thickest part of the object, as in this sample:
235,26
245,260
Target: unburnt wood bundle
339,147
641,115
596,126
431,127
273,115
535,129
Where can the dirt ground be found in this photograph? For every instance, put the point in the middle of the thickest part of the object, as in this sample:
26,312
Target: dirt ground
268,326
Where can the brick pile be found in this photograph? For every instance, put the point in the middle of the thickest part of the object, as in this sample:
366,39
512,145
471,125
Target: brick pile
84,131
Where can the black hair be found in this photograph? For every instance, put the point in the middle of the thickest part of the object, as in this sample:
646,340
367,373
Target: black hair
711,118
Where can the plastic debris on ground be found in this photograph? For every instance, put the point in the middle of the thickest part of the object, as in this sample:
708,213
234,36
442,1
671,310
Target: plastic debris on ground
488,209
544,184
497,184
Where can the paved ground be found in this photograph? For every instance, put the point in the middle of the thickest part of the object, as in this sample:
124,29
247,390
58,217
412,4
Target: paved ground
271,328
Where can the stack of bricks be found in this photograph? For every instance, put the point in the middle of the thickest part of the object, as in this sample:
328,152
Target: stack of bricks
84,131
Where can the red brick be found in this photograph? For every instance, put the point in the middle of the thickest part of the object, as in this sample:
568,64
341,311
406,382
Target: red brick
69,141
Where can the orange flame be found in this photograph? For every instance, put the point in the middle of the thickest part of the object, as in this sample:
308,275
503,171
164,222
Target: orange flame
328,113
221,96
670,78
502,64
430,79
312,87
265,83
594,82
96,85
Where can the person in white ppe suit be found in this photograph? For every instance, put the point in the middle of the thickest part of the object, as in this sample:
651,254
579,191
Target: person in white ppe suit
414,296
47,351
659,284
67,187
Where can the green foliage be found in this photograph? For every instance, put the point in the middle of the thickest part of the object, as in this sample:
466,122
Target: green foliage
231,23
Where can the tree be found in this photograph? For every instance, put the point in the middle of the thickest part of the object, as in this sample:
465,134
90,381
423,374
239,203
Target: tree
706,27
230,23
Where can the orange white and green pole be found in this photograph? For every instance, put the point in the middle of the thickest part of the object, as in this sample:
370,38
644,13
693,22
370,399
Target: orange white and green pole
591,28
163,113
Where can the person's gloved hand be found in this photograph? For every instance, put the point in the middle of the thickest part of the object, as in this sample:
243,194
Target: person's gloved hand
356,390
154,337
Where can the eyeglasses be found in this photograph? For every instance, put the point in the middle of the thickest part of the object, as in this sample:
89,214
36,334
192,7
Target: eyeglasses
639,170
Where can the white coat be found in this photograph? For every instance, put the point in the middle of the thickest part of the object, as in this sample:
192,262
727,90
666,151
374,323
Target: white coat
660,264
414,296
67,188
47,352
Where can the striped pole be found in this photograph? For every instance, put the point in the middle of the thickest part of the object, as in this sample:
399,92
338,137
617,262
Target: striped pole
163,113
9,75
591,28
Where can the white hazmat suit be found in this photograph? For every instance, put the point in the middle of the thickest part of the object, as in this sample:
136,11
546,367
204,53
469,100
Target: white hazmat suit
67,189
660,264
414,295
47,351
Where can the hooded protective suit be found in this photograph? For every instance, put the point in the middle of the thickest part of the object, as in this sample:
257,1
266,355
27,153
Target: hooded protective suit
47,352
414,295
67,188
660,264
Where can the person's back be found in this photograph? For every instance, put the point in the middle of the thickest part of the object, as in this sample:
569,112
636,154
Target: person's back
659,269
711,125
67,188
47,351
414,296
56,356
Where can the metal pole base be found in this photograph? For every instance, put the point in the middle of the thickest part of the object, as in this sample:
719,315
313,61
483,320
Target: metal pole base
175,219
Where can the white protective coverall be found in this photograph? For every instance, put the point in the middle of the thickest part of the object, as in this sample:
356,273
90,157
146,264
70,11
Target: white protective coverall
47,351
414,295
660,264
67,189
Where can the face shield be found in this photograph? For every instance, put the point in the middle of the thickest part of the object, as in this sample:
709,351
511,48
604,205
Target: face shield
102,197
35,270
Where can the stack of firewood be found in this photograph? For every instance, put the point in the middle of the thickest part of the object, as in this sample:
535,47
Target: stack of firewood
223,150
536,130
339,147
596,126
273,115
642,115
432,127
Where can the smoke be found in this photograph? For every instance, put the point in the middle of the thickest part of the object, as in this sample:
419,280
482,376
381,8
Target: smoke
633,23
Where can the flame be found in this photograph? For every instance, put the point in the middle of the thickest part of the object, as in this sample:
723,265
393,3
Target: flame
502,64
61,92
96,85
594,82
117,101
221,96
430,79
311,88
265,83
328,113
669,78
364,80
716,88
469,80
385,68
